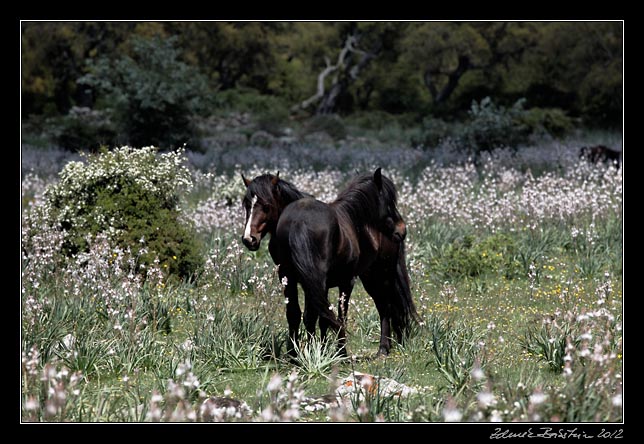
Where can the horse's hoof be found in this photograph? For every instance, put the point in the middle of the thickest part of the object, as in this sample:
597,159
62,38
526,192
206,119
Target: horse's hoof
382,352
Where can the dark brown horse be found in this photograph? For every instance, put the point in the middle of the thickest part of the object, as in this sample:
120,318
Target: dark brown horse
600,153
384,275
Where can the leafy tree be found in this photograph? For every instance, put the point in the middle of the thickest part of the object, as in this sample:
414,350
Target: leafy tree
152,92
234,54
584,60
53,57
425,68
446,53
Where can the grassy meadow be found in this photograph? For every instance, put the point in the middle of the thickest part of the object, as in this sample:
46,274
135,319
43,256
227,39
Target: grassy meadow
516,267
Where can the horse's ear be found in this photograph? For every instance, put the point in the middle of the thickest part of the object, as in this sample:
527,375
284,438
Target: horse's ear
275,179
246,181
377,177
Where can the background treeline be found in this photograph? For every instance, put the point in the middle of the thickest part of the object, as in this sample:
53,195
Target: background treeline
130,73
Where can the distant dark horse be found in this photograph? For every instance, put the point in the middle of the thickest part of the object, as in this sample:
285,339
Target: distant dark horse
600,153
383,273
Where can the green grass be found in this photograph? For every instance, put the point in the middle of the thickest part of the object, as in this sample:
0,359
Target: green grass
234,338
483,349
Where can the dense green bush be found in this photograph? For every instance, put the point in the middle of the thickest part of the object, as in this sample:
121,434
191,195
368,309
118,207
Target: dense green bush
552,121
377,119
489,126
153,93
492,126
248,100
274,121
132,196
471,257
432,131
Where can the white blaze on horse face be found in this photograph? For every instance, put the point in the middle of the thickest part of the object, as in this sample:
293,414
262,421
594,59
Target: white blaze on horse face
250,218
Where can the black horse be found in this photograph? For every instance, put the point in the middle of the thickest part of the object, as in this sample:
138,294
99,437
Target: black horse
600,153
383,273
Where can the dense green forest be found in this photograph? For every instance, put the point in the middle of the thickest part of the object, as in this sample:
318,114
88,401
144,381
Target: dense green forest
131,73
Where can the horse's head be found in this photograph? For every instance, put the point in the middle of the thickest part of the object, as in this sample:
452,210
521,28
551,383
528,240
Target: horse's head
390,222
262,209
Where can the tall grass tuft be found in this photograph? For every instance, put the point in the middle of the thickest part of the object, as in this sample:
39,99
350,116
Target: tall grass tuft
316,357
457,349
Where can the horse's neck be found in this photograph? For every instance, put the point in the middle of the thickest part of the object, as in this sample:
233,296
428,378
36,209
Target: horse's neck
363,238
357,216
371,236
281,202
288,193
281,205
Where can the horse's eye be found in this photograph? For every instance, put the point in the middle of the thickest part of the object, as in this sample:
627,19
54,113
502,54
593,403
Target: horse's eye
266,208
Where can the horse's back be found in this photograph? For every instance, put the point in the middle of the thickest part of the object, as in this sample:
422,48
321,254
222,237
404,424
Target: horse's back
307,213
305,233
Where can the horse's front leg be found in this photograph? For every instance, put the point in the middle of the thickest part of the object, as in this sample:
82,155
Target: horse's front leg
385,335
378,290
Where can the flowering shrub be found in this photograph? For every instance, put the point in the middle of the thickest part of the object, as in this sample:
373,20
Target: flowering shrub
130,195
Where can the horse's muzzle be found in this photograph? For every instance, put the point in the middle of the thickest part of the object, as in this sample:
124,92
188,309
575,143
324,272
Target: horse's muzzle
252,242
400,232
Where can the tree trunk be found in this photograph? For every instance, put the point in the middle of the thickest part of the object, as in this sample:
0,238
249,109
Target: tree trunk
329,100
428,80
347,72
363,95
453,79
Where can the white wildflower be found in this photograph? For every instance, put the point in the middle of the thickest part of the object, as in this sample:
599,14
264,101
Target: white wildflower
452,414
275,383
538,398
486,399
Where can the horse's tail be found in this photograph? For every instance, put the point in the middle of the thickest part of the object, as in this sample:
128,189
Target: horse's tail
306,259
403,308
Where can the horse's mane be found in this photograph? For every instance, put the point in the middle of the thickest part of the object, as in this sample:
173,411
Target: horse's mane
360,198
289,192
262,187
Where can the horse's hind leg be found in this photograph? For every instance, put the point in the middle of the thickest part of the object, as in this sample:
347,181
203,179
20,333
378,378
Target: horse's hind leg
345,291
310,319
293,314
315,302
343,302
343,307
317,307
